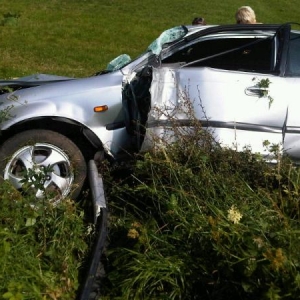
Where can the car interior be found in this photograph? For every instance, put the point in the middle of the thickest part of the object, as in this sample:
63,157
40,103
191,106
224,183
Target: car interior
240,54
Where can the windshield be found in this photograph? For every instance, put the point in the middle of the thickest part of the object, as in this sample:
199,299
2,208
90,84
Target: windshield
166,37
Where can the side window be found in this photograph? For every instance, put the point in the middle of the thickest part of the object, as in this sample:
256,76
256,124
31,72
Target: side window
293,61
244,54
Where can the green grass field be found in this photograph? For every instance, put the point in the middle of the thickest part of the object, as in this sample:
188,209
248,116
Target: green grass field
79,37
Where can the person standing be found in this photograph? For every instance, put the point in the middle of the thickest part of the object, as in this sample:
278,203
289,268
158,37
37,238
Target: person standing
245,15
199,21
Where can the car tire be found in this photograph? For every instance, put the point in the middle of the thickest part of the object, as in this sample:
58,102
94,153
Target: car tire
34,151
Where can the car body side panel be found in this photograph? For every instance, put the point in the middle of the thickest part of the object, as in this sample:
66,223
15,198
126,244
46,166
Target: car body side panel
292,130
221,100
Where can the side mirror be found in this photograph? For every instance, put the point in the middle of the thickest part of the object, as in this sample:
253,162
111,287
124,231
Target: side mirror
118,62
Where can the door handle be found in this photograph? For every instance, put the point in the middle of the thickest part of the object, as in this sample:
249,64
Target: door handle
256,91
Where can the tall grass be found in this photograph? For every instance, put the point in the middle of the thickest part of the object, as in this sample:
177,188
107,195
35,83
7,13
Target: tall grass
42,248
198,221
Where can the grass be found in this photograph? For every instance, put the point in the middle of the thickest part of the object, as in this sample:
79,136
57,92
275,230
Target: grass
78,38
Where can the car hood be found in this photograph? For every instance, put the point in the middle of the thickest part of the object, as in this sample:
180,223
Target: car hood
41,87
32,80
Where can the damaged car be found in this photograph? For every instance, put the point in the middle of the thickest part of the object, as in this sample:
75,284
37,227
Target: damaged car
242,81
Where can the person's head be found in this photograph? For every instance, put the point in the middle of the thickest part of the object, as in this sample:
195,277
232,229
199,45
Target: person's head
199,21
245,15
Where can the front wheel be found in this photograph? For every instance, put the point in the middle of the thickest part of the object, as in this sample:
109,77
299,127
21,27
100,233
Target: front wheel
45,162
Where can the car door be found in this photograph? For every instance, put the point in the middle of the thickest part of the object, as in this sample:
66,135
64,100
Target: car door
240,112
291,73
239,94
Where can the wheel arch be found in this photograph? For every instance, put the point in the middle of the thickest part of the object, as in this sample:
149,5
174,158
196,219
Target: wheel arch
83,137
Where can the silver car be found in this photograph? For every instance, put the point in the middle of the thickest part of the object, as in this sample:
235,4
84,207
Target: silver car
242,80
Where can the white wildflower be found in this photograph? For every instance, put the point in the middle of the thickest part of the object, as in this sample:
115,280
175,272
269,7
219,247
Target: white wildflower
234,215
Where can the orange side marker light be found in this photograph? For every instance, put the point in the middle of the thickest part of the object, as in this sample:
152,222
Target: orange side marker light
100,108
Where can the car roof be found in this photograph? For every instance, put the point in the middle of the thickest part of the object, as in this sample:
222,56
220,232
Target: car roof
193,29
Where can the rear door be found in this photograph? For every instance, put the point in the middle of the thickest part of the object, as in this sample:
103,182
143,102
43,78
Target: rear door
291,73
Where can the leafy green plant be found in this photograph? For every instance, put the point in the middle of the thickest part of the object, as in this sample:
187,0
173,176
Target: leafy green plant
4,113
263,85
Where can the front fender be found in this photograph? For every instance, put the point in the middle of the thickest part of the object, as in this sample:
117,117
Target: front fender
93,124
75,101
